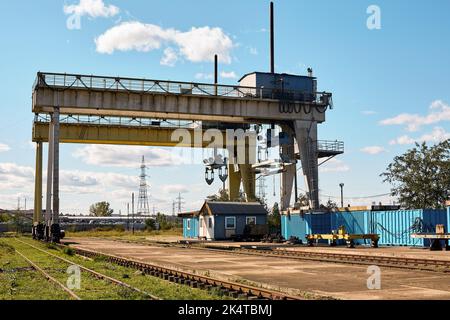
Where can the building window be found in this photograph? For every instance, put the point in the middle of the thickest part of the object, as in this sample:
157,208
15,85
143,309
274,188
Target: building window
188,224
210,223
230,223
250,220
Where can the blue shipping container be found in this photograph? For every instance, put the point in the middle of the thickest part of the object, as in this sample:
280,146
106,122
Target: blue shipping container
190,228
296,225
394,227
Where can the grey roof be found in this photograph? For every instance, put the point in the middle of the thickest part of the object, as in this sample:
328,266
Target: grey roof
236,208
277,74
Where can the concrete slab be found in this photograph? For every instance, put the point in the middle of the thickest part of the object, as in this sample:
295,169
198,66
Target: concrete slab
295,277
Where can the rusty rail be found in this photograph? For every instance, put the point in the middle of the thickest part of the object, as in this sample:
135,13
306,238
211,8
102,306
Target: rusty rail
233,289
49,277
96,274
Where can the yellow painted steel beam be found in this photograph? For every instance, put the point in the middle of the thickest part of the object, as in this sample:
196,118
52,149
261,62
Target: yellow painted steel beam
248,181
37,214
234,181
121,135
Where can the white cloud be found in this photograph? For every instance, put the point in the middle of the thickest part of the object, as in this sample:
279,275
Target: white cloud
437,135
439,111
200,44
124,156
334,165
4,147
195,45
170,57
228,75
129,36
204,76
92,8
373,150
368,112
14,176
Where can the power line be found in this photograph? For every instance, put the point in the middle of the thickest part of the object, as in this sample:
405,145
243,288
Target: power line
365,197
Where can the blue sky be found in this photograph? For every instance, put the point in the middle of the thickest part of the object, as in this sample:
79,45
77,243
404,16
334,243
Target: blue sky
391,86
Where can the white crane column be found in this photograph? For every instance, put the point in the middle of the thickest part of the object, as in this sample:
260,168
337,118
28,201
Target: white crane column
306,135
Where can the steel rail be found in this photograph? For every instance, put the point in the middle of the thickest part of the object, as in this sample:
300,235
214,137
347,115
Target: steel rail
49,277
439,266
187,278
98,275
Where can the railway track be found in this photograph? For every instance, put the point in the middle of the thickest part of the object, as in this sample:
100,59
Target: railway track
72,294
439,266
232,289
96,274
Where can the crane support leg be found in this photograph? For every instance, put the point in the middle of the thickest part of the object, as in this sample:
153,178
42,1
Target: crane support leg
38,228
55,229
48,202
248,181
287,177
306,135
234,182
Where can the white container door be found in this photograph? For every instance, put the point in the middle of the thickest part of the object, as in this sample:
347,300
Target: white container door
209,227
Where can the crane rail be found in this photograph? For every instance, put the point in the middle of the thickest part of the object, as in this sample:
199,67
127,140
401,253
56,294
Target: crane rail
47,276
96,274
233,289
431,265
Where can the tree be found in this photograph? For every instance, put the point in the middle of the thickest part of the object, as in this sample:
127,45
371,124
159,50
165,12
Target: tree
150,224
161,219
222,196
303,200
4,217
329,206
420,178
101,209
274,218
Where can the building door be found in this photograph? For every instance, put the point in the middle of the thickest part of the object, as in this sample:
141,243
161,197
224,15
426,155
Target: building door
202,230
209,223
206,227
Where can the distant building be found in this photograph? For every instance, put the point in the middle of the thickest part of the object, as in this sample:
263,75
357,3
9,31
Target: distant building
222,220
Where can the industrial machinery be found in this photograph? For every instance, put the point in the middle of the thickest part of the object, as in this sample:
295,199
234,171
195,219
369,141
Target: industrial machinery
343,235
435,238
74,108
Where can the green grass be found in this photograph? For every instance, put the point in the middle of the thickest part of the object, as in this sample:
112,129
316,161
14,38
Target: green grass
123,234
30,284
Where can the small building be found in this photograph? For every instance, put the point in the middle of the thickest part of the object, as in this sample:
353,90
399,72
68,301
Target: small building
222,220
190,224
279,86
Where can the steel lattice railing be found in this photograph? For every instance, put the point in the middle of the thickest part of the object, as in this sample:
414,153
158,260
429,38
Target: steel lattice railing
64,81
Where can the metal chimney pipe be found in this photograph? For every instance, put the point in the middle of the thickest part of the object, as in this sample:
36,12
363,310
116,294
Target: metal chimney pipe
216,69
272,39
216,73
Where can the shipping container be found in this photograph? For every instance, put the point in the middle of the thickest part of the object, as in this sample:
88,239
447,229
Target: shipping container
394,227
293,225
300,225
190,227
354,223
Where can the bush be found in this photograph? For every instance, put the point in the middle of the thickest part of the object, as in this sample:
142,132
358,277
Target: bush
69,251
150,224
